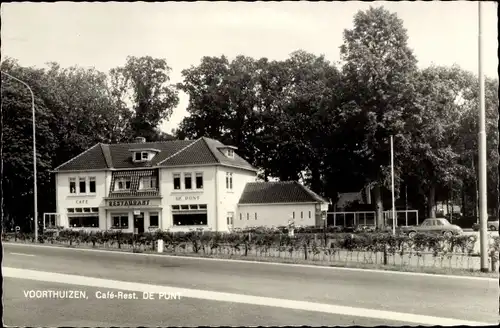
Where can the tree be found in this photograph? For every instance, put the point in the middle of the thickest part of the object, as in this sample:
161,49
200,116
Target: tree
17,143
143,83
442,97
378,70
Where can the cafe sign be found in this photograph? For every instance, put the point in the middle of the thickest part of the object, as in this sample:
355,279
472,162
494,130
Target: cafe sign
133,202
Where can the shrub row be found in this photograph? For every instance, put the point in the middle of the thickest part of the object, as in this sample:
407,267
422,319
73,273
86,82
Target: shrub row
208,241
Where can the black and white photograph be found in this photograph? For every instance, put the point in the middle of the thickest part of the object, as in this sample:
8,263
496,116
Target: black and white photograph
290,163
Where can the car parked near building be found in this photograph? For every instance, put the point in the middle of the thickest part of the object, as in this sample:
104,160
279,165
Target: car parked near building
440,226
492,224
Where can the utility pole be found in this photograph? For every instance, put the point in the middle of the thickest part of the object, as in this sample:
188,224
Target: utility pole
394,218
483,208
35,192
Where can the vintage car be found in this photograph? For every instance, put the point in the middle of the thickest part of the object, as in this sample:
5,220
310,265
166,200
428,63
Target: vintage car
440,226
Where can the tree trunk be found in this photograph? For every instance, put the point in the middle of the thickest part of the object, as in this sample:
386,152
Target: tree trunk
432,201
379,207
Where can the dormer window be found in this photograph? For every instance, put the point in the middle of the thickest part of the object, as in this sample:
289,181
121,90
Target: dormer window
230,153
143,154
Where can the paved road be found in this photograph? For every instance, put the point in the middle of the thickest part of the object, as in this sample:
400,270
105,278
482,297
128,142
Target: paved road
285,295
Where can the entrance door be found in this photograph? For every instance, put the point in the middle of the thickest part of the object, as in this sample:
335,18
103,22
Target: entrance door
139,222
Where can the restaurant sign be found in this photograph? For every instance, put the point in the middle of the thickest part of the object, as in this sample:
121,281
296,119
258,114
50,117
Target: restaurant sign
133,202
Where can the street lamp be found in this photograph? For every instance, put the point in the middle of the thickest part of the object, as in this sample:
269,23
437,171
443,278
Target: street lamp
392,183
483,206
35,194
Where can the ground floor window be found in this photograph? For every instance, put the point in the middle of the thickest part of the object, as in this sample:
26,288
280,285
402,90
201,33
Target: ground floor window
153,219
84,221
119,221
190,215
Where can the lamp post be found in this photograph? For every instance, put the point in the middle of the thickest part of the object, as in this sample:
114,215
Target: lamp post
483,207
392,182
35,193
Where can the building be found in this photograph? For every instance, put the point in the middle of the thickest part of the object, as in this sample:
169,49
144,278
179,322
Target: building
275,203
136,187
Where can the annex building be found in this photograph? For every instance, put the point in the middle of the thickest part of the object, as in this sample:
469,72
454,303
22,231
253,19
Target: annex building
172,185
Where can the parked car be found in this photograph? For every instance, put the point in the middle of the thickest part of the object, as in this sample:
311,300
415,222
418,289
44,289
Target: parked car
441,226
492,224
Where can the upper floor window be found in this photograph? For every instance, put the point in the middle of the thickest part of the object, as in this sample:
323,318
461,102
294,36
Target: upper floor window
230,153
82,183
229,181
123,184
92,185
177,181
72,185
199,180
147,183
188,181
141,156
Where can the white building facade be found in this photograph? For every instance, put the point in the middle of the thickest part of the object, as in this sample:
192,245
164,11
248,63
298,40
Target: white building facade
275,204
174,185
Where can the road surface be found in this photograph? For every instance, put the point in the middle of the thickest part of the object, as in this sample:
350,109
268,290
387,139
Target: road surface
228,293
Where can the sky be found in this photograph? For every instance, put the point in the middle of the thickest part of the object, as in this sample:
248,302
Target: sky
102,35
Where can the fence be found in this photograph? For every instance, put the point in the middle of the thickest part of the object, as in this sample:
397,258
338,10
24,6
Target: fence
403,218
351,219
51,220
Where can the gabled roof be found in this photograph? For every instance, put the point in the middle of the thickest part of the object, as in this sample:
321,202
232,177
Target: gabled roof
278,192
202,151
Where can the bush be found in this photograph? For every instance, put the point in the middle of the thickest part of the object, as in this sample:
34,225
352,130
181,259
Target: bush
266,242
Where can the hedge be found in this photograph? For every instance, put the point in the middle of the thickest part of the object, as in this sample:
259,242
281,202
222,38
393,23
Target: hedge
378,247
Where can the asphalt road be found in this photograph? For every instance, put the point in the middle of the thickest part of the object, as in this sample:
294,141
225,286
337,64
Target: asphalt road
352,294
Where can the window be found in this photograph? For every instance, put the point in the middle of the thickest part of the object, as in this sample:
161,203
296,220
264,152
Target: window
145,156
229,181
241,216
230,153
255,216
301,214
153,219
92,185
309,214
230,216
189,215
71,210
248,216
72,185
120,221
199,180
84,221
293,215
82,183
177,181
95,209
147,183
86,210
188,180
137,156
122,184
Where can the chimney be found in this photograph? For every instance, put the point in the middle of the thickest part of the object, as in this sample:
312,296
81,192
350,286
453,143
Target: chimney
140,140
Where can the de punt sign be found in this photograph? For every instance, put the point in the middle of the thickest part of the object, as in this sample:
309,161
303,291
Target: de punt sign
129,203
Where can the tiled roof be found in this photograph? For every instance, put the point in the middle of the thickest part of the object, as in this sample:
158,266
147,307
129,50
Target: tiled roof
172,153
278,192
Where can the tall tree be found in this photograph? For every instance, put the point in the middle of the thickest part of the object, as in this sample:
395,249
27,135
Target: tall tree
142,84
378,71
17,144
